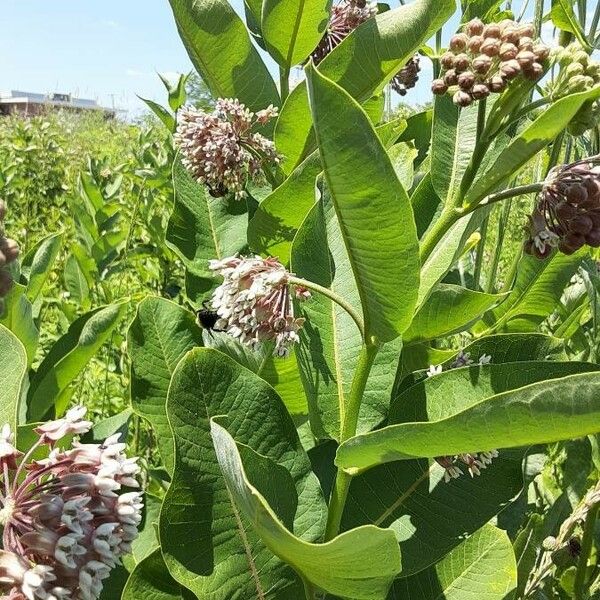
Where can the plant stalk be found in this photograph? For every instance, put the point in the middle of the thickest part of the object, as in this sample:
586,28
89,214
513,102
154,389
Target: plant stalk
586,549
332,296
480,251
437,232
284,83
349,422
502,224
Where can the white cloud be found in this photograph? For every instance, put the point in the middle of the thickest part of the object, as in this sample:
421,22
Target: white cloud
135,73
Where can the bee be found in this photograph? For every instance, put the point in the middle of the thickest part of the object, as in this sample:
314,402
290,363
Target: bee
207,318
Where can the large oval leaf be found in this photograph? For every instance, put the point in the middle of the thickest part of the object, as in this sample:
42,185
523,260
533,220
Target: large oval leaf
482,567
13,370
202,227
372,207
38,262
208,545
362,64
359,564
330,341
292,29
539,413
221,50
150,579
158,338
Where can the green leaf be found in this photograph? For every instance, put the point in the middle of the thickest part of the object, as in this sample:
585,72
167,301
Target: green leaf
418,130
159,336
425,203
482,9
536,292
112,425
563,17
330,340
528,143
402,156
539,413
526,549
482,567
220,48
202,227
360,564
167,119
151,580
292,29
388,40
13,371
38,263
227,556
278,217
68,358
177,93
372,207
76,282
448,309
18,318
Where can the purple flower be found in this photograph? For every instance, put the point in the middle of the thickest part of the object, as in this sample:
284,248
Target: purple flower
65,524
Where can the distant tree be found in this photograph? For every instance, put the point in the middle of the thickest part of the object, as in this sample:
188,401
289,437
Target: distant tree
198,93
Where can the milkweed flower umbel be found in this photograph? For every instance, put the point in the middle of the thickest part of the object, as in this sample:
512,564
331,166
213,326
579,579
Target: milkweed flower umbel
66,524
567,212
255,302
345,17
222,149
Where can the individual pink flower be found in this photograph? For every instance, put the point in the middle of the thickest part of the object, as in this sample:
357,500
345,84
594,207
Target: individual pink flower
71,424
8,453
254,302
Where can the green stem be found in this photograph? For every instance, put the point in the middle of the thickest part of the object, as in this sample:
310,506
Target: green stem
538,16
502,225
480,251
594,25
284,83
586,548
519,190
332,296
438,51
349,422
437,232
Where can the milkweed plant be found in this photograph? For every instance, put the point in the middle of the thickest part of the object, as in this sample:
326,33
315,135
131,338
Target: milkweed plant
360,393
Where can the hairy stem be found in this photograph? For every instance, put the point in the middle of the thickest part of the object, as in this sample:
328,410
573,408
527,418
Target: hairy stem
586,548
349,424
519,190
332,296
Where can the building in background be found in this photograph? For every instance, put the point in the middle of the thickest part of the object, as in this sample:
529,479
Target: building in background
29,104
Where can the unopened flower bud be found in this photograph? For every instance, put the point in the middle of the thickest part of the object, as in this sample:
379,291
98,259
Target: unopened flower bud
461,62
474,27
490,47
475,43
458,42
526,30
571,242
525,58
574,69
450,77
541,51
462,99
510,34
482,64
10,249
492,31
581,57
581,224
480,91
466,80
526,43
510,69
534,72
593,238
438,87
447,60
508,51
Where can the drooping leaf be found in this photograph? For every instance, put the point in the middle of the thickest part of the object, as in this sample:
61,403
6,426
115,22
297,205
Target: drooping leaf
372,207
37,264
208,545
220,48
539,413
167,119
482,567
361,64
563,17
68,357
359,564
13,369
292,29
448,309
201,227
528,143
159,337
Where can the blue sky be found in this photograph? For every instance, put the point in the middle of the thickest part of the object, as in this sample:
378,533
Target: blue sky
104,49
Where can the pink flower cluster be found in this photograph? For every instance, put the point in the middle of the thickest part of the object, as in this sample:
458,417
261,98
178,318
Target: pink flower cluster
65,524
221,150
254,302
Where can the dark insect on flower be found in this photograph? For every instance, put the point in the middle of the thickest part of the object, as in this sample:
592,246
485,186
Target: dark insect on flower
407,76
574,547
567,213
345,18
207,318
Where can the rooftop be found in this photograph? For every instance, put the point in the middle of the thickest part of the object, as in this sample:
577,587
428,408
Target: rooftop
52,99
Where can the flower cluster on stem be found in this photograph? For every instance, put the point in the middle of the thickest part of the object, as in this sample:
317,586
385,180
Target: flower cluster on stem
255,302
66,522
406,78
222,149
345,17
